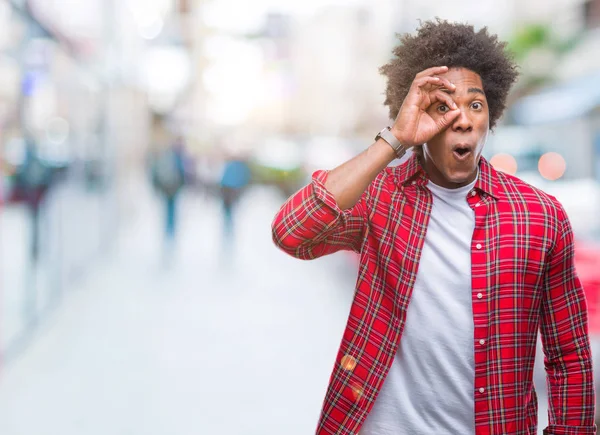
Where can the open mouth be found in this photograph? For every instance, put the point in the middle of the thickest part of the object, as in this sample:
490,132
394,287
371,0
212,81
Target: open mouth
461,152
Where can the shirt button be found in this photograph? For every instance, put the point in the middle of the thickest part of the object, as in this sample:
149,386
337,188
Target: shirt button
473,193
482,390
479,295
478,204
414,182
478,246
482,342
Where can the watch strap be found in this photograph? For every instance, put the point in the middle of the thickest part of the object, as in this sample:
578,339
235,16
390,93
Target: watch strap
387,135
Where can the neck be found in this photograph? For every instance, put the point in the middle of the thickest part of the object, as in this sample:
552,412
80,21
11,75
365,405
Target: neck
438,178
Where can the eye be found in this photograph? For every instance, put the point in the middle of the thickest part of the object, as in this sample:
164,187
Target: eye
442,108
477,105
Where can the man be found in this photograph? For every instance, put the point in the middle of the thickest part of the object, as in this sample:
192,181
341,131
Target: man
460,265
235,178
168,177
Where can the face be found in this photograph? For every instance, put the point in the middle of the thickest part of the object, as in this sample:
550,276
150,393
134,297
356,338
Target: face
452,156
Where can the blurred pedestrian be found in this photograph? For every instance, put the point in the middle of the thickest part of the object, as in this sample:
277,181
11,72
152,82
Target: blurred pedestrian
168,177
32,180
460,265
234,180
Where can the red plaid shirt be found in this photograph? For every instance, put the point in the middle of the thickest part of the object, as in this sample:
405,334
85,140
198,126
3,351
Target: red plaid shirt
523,280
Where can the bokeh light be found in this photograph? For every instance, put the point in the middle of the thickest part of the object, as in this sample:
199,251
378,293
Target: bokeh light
552,166
505,163
357,391
348,363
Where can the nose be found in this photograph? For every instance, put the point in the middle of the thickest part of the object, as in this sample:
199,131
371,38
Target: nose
462,122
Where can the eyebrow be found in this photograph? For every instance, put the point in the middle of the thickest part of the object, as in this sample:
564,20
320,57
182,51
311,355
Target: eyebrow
477,90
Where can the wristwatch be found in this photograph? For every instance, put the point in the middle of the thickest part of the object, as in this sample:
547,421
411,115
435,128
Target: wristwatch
387,135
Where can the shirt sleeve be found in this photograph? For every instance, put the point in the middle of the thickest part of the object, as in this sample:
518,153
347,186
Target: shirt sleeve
565,339
310,224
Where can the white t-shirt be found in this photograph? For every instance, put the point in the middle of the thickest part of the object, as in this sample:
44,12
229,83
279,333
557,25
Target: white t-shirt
430,386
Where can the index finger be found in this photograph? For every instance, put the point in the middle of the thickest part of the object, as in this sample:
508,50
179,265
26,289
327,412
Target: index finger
445,98
432,71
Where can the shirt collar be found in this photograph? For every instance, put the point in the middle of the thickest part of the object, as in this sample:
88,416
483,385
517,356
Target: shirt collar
413,173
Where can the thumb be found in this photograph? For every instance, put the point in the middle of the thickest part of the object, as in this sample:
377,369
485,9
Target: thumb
448,118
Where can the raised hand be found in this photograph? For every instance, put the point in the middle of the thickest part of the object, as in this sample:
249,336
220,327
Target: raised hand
414,125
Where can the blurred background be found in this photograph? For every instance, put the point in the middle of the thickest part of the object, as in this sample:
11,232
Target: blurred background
145,146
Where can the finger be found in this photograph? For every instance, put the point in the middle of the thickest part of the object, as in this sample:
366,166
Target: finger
445,121
428,80
445,83
439,95
440,82
432,71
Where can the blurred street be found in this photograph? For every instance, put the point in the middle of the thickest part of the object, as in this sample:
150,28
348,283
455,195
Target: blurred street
240,342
